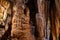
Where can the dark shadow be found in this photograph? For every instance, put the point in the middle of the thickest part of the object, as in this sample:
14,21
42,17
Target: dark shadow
32,5
7,34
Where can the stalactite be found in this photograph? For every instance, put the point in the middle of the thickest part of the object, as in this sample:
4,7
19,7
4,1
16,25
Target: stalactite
17,14
21,23
55,19
57,2
7,17
41,20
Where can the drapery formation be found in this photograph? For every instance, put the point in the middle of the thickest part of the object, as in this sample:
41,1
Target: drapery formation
30,19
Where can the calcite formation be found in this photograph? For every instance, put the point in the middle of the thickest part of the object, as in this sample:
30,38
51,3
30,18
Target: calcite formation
4,11
41,20
21,23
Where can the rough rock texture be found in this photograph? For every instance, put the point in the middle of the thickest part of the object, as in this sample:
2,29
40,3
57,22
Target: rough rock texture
4,7
21,23
4,11
15,19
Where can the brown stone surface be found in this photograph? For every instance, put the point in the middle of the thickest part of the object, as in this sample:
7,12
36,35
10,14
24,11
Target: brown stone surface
21,24
40,19
4,9
18,26
55,20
